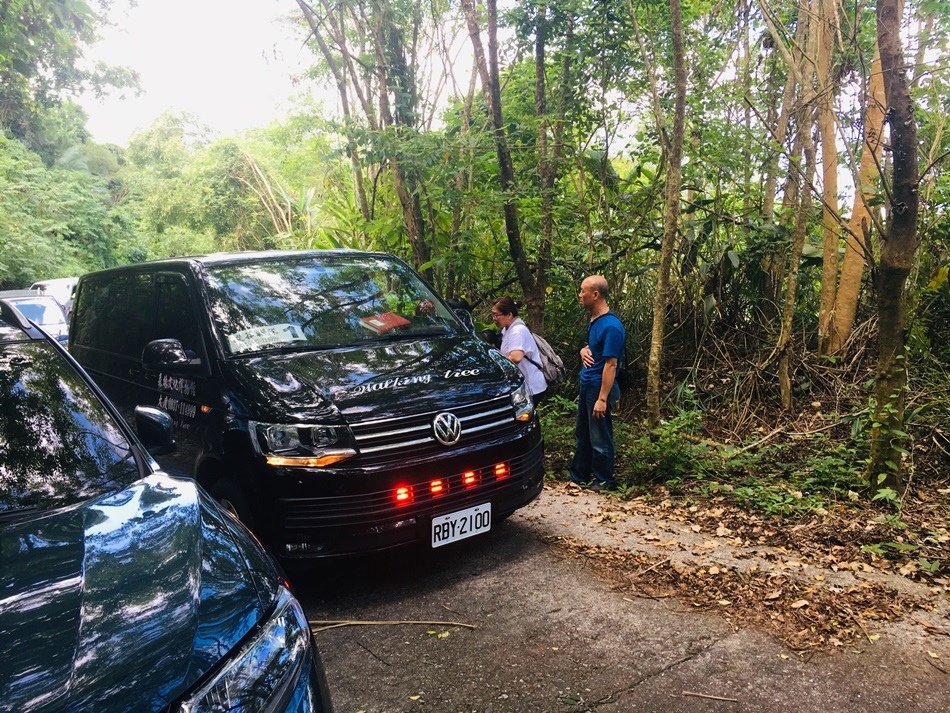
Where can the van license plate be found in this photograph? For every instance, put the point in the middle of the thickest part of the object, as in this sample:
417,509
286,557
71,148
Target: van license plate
461,524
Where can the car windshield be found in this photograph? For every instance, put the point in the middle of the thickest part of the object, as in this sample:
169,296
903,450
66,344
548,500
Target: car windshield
322,302
59,445
42,310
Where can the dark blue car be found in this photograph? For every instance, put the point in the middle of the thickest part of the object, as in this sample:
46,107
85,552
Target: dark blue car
123,588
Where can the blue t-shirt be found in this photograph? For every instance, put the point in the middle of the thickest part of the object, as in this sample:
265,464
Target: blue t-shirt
605,337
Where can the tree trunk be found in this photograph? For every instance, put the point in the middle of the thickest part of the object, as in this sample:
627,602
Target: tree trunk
535,300
783,346
771,264
781,125
858,244
888,439
671,220
548,158
389,57
827,23
489,74
462,174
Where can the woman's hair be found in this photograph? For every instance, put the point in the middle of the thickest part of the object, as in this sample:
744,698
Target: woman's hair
506,305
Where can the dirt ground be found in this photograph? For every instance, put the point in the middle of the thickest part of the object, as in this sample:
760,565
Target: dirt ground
809,584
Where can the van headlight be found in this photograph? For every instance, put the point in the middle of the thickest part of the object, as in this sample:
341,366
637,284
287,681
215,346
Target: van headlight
263,672
300,445
521,400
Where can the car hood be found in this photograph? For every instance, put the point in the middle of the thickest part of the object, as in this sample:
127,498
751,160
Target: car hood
121,603
379,381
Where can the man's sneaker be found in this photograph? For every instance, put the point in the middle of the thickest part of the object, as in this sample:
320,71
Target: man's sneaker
578,482
604,487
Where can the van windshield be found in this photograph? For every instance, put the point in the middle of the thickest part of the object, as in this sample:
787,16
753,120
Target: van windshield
322,302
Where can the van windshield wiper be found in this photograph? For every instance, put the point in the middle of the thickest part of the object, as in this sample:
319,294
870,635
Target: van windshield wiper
18,513
288,349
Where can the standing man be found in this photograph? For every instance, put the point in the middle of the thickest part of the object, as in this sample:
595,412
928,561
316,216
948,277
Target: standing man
594,453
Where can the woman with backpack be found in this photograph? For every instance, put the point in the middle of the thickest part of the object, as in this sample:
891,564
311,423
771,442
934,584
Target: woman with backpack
518,344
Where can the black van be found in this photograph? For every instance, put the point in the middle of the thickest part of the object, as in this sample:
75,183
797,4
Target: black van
329,398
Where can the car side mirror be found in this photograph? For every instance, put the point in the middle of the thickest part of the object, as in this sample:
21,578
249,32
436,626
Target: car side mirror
465,317
154,427
167,355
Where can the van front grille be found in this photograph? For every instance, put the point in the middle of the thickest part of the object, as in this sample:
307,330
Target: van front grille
378,507
384,440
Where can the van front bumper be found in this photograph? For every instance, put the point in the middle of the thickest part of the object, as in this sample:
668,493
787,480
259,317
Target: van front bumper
350,519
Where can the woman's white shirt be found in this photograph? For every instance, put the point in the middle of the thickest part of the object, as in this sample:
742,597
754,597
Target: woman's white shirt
517,337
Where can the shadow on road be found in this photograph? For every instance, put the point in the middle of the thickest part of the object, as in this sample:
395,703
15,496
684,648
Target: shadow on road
406,572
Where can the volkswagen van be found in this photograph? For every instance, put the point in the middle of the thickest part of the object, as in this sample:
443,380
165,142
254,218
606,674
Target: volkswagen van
331,399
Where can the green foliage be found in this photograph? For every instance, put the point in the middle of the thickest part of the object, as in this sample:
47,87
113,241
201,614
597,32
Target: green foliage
55,221
41,59
670,454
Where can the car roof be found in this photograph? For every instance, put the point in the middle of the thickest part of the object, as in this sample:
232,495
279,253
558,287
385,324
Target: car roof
12,294
56,281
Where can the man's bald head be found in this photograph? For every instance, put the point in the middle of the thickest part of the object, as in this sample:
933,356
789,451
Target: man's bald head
596,283
593,295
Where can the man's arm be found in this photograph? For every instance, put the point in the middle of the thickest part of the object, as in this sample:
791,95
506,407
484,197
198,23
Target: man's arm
606,384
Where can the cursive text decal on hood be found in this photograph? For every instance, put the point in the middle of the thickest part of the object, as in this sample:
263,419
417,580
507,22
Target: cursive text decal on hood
400,381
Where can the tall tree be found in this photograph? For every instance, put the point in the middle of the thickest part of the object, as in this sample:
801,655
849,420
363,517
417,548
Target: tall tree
338,70
858,232
671,218
488,70
396,79
826,22
888,439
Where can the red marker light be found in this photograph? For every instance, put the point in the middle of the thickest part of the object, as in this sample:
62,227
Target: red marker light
469,479
437,487
501,471
402,495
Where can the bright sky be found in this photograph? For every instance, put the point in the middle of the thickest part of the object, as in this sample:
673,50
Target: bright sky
231,64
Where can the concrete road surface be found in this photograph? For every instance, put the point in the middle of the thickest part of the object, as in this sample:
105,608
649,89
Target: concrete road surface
549,636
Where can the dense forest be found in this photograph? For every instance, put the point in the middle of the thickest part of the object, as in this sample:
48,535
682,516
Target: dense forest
762,182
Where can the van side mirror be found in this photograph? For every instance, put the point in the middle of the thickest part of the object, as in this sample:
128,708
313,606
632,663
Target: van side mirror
154,427
465,317
167,355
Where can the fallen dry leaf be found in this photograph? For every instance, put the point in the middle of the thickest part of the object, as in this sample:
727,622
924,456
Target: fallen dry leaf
799,604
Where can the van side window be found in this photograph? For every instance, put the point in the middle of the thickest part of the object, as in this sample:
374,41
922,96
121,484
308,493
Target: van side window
110,314
175,315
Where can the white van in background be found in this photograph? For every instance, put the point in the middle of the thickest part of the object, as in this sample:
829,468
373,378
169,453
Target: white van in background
60,288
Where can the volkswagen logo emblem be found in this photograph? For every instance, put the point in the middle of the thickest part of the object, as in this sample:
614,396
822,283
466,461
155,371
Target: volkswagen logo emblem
447,428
